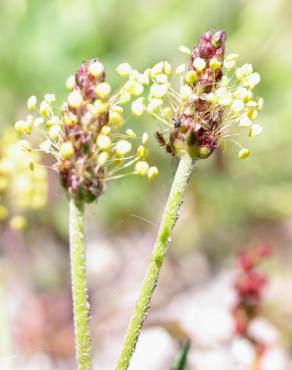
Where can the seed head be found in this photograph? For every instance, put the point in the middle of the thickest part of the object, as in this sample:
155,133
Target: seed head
213,104
86,138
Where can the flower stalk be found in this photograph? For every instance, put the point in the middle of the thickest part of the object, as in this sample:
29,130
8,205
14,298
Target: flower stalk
170,216
89,148
79,288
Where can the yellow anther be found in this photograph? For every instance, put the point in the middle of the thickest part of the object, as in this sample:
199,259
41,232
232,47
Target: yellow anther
75,99
152,172
96,68
141,168
66,150
103,142
31,103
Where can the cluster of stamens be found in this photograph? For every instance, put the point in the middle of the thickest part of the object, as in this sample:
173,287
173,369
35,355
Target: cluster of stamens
213,104
85,136
23,186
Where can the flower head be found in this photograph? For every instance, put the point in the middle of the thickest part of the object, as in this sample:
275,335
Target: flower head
23,186
213,104
85,137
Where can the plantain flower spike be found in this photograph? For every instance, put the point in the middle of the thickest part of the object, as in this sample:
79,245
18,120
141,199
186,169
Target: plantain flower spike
23,186
87,137
213,105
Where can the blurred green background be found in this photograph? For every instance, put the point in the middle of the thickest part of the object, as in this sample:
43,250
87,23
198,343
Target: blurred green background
44,42
230,203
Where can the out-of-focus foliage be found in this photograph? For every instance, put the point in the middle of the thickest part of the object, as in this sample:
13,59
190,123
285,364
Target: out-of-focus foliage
181,360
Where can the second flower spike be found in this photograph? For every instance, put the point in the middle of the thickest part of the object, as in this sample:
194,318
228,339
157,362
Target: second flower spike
87,137
213,104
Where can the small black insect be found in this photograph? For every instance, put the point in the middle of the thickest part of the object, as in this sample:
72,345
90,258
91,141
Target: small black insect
177,123
162,142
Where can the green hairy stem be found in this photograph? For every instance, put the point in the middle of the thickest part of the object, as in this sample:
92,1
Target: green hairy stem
170,215
79,289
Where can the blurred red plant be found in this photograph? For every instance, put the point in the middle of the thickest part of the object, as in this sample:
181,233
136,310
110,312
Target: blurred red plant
249,285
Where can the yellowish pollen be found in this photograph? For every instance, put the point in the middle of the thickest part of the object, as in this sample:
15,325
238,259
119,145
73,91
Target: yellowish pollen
245,121
44,109
212,98
158,91
103,90
31,103
141,168
70,83
138,107
243,153
141,152
167,68
161,78
143,78
75,99
66,150
252,80
124,69
38,122
224,96
184,50
96,68
53,121
145,138
231,57
215,63
117,108
106,130
229,64
244,71
20,127
154,104
103,142
252,114
191,77
152,172
131,134
199,64
31,165
100,107
124,98
157,69
185,92
260,102
167,112
237,106
54,132
123,147
135,88
115,119
255,130
102,158
50,98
